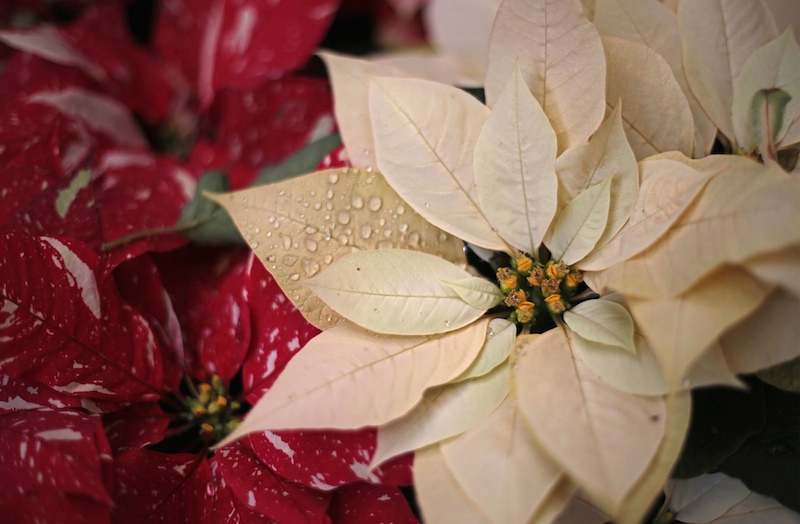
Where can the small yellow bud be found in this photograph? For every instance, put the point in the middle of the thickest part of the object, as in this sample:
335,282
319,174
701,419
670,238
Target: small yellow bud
507,278
222,401
550,286
562,269
552,271
553,298
574,278
522,263
199,411
537,274
204,388
515,298
555,305
207,428
525,315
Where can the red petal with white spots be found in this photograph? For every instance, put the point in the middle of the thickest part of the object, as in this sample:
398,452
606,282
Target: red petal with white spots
139,282
52,464
209,290
240,44
228,509
157,487
266,125
136,426
336,158
258,488
278,332
322,459
370,504
26,73
139,193
62,325
22,394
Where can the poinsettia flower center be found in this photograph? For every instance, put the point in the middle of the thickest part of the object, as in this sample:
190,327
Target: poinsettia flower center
213,411
530,287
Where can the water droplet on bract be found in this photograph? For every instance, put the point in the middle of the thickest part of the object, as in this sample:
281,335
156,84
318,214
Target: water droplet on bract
402,227
446,323
333,178
382,222
401,209
343,217
256,230
489,331
357,202
366,231
211,489
312,193
327,259
295,245
271,258
271,219
277,224
328,318
298,199
289,260
287,243
310,267
329,194
387,233
317,205
427,204
310,230
294,276
281,192
343,239
311,245
375,203
254,245
366,152
413,239
328,206
442,237
269,234
305,205
375,310
369,169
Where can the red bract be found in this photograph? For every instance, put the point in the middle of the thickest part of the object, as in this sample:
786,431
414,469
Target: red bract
267,124
89,342
225,44
158,487
55,460
370,504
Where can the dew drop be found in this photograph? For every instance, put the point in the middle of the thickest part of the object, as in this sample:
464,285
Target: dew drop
271,219
298,199
312,193
254,245
287,243
294,276
269,234
311,245
310,267
387,233
357,202
317,205
343,239
256,230
489,331
271,258
442,237
277,224
366,231
382,222
333,178
376,310
402,227
401,209
329,194
375,203
289,260
327,259
413,239
343,217
281,192
310,230
328,206
295,245
446,323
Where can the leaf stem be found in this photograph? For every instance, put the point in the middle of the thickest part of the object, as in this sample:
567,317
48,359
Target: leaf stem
178,228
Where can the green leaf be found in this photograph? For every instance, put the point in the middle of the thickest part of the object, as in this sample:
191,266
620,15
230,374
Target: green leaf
300,163
766,96
67,195
515,168
395,291
477,292
581,224
443,412
604,322
205,220
347,378
500,337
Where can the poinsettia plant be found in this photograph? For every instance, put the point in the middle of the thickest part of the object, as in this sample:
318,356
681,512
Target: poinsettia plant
617,265
125,352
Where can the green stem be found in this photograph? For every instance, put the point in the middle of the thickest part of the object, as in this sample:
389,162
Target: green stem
178,228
